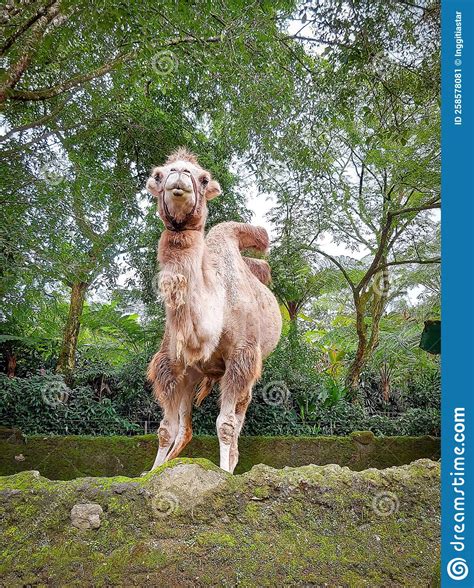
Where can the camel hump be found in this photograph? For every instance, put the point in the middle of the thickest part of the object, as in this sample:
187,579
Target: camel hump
259,268
247,236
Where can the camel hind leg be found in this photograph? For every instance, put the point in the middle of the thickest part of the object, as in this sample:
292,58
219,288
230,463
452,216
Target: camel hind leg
242,370
240,411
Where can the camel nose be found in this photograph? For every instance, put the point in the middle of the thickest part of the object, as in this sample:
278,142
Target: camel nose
178,192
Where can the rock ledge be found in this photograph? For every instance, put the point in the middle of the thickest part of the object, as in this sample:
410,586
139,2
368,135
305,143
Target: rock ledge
191,524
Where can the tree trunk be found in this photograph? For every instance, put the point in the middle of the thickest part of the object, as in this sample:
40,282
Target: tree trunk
293,308
67,355
357,365
377,296
11,364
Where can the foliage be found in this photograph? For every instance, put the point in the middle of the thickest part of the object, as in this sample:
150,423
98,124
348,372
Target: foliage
49,406
330,108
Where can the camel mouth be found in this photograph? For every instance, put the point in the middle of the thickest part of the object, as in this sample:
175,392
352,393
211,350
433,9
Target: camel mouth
180,196
179,204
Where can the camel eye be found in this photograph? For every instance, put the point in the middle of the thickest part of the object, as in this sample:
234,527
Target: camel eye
204,181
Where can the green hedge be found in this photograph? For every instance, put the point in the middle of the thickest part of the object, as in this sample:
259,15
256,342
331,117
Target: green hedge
120,403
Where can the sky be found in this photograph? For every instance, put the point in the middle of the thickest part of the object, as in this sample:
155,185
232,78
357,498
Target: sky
261,204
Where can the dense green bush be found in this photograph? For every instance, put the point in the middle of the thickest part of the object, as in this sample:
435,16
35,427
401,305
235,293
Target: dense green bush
426,420
45,404
422,389
125,386
294,397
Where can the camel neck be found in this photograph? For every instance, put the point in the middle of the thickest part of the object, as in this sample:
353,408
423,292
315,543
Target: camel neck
178,248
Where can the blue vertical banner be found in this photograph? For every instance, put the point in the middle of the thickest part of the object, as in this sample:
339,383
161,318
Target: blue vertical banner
457,134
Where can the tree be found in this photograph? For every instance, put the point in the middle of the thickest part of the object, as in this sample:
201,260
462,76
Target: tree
360,159
81,137
338,121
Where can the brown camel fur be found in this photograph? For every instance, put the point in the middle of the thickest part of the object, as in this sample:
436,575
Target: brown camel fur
221,319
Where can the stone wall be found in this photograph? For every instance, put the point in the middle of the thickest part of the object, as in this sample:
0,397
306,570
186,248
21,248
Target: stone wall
65,458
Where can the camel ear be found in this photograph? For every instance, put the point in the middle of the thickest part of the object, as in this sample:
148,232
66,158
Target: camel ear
213,189
154,184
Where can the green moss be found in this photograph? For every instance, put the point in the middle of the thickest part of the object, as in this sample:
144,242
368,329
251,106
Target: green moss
261,492
252,511
435,581
65,458
311,525
363,437
267,527
213,539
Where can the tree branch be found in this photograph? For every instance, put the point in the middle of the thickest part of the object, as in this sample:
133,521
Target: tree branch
408,261
339,265
45,93
51,92
428,206
19,67
25,26
40,121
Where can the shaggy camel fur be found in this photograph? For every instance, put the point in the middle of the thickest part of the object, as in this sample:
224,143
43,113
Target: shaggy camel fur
221,319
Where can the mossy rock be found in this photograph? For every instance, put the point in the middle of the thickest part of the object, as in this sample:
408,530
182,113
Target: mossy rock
190,524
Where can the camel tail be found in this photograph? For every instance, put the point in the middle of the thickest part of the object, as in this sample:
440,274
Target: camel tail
203,390
153,368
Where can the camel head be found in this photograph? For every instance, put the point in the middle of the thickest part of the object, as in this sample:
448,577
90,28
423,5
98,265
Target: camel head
182,187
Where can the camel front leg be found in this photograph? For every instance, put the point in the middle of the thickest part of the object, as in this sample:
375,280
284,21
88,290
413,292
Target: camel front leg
167,381
185,428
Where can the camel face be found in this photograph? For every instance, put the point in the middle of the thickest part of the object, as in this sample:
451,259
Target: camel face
179,192
181,187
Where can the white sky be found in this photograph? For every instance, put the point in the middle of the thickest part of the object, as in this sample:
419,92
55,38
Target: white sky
261,204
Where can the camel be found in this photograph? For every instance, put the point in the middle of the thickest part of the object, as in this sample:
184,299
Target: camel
221,319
